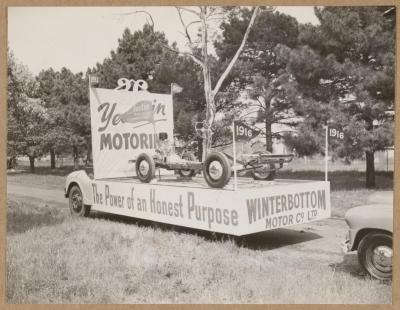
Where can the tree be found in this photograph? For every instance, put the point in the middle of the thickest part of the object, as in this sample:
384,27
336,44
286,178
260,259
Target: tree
26,115
206,16
146,54
55,137
68,125
262,73
346,69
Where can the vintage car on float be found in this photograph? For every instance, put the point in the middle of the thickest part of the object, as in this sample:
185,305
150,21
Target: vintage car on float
371,235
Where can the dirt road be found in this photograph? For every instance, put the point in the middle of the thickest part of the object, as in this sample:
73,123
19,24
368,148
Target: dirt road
40,193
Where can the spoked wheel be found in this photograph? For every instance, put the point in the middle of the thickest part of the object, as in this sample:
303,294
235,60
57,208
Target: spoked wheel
216,170
76,205
188,173
375,254
145,168
264,173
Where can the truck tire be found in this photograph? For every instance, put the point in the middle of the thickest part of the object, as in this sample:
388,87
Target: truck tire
76,205
189,173
375,254
264,174
145,168
216,170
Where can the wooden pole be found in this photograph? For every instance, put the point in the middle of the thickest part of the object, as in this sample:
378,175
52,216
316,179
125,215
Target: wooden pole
326,153
234,157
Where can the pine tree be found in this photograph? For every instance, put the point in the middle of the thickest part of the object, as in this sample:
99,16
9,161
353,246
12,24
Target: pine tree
345,70
260,71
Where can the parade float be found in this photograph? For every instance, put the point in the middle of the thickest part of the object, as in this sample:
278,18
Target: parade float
137,172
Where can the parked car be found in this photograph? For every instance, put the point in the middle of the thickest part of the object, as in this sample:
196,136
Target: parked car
371,235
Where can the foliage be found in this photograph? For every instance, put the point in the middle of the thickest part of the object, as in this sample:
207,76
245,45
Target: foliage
143,55
355,58
66,99
26,115
262,70
345,71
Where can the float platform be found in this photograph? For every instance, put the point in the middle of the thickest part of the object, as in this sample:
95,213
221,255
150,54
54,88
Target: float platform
255,206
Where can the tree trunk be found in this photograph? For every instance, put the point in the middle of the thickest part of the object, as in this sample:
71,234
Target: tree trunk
11,162
32,163
370,169
210,103
52,159
268,135
200,149
76,157
209,92
89,153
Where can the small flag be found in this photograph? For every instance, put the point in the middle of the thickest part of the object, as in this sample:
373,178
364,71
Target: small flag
175,88
244,132
93,80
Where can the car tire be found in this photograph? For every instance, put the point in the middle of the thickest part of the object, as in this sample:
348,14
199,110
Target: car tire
189,173
76,205
262,175
145,168
216,170
375,254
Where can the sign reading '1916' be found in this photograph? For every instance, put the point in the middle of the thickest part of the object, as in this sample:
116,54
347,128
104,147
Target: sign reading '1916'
244,132
335,133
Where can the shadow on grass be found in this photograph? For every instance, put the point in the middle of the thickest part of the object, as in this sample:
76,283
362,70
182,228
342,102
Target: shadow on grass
23,216
266,240
276,238
21,222
62,171
340,180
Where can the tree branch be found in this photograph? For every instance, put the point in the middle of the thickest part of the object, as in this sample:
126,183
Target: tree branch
188,10
184,26
256,105
232,62
195,59
136,12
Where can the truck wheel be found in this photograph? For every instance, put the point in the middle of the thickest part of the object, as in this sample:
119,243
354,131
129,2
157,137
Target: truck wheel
76,205
188,173
216,170
145,168
264,173
375,254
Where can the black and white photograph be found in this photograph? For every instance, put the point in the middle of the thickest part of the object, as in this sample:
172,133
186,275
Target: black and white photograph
200,154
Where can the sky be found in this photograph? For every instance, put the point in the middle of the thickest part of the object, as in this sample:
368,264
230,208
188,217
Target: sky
79,37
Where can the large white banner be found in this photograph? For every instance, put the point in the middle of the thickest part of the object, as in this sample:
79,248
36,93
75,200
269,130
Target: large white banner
125,124
246,211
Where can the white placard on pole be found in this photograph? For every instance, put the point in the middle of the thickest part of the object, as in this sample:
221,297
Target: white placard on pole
234,157
326,153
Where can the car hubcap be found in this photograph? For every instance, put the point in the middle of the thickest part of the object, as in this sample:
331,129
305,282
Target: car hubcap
144,167
76,202
382,258
215,170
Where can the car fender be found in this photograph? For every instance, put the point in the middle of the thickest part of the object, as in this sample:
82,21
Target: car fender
364,219
81,179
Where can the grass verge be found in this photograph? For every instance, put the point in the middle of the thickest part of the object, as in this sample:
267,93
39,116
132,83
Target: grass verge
111,260
340,180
